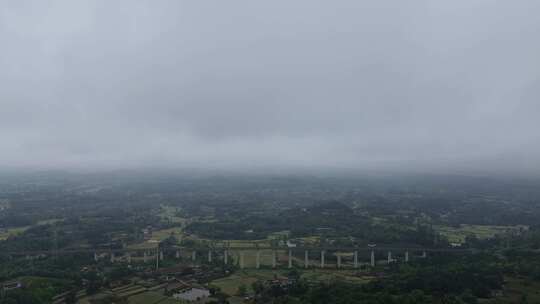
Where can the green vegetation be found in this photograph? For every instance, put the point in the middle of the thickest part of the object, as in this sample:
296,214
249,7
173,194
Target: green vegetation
10,232
326,275
231,284
459,234
163,234
496,221
172,215
516,289
37,289
15,231
150,297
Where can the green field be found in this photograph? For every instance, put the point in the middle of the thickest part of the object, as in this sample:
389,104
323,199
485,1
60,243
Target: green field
229,285
265,243
149,297
458,235
169,214
5,234
329,275
144,245
250,258
160,235
261,243
51,221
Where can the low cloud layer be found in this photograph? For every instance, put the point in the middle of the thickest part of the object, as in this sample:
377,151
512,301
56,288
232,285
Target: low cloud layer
425,84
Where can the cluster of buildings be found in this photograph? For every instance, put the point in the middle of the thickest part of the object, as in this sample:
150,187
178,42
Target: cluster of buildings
10,285
192,294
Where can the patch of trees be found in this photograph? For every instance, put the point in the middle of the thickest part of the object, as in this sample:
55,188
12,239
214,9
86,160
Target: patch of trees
442,276
15,220
448,280
330,220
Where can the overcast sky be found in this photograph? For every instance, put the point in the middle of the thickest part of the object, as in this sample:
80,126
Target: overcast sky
115,84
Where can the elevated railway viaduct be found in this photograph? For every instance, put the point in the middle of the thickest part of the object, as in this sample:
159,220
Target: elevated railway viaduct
295,256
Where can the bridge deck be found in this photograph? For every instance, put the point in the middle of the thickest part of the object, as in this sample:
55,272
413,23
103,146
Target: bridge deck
294,249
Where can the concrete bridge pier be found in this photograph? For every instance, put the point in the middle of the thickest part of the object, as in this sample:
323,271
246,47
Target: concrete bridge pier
406,256
193,256
356,259
258,260
95,256
225,256
372,258
209,256
145,257
424,254
112,257
274,259
322,259
241,260
389,257
177,254
290,258
306,259
161,255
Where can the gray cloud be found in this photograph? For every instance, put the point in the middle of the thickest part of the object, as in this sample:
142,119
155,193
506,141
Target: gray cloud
281,83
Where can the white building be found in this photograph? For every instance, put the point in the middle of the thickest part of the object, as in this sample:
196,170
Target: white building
192,294
291,244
